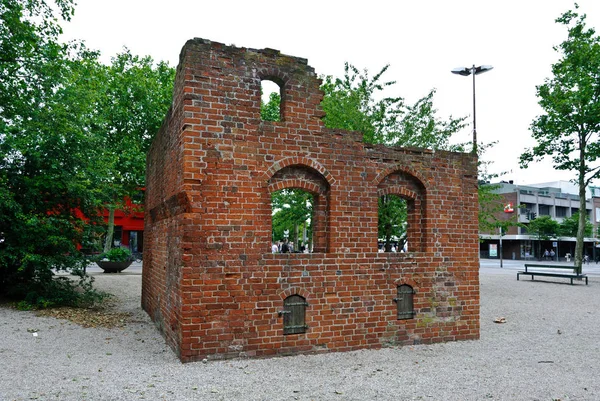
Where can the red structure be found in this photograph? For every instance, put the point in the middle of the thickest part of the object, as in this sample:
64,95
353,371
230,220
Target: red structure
210,281
129,225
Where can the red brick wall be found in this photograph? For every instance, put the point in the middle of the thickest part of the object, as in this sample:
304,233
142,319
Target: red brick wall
209,279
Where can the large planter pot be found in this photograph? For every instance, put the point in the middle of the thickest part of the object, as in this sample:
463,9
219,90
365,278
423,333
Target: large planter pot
113,267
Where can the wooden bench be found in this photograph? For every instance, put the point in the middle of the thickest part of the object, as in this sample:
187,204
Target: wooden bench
545,273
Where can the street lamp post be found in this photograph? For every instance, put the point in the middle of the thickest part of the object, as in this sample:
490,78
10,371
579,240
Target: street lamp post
465,72
500,239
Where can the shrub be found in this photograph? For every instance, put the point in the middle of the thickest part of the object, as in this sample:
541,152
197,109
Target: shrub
61,291
117,255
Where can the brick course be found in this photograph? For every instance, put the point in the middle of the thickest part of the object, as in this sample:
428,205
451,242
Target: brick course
210,281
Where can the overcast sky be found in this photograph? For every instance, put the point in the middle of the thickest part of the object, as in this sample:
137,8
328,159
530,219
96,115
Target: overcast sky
422,40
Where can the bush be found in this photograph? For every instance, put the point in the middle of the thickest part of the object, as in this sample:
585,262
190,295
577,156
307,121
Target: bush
61,291
30,278
117,255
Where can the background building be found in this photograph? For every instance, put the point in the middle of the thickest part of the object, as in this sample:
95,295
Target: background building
129,226
523,203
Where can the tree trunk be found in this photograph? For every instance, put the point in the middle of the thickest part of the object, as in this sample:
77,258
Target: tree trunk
580,230
582,212
388,238
297,244
110,229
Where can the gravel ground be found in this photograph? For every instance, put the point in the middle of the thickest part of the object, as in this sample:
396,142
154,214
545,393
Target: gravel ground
548,349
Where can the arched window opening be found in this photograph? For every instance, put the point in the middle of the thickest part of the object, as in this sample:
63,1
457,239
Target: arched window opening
292,220
392,224
270,101
402,215
300,208
294,314
405,302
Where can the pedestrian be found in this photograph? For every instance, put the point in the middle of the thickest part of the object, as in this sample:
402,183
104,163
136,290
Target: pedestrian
552,254
285,247
546,255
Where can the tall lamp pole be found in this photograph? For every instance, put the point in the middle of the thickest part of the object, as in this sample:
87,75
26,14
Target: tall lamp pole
465,72
500,232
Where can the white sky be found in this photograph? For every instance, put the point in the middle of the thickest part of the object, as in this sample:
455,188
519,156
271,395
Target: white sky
422,40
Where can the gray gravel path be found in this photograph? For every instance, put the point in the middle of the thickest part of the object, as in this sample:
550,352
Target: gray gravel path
549,349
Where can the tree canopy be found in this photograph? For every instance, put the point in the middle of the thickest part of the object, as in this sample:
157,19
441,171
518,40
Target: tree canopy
542,228
351,103
270,111
569,130
292,213
570,225
136,95
43,152
64,140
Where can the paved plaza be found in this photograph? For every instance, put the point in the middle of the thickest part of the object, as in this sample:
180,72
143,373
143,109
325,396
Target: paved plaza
547,349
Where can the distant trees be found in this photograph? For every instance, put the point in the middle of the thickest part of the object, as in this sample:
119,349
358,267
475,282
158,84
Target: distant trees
569,131
270,111
356,102
542,228
292,214
491,204
391,221
569,227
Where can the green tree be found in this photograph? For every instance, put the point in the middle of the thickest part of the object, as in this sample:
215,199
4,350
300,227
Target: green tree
73,136
292,212
570,226
270,111
569,130
542,228
392,220
350,103
45,175
136,96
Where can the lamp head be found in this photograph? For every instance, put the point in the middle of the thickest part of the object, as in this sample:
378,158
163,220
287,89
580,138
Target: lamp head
482,68
464,71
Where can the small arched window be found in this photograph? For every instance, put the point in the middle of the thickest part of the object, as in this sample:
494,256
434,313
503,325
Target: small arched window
294,314
405,302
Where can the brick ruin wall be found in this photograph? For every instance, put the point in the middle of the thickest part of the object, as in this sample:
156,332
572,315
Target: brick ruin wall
210,281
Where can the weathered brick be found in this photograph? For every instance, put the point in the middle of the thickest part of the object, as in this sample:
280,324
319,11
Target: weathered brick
209,279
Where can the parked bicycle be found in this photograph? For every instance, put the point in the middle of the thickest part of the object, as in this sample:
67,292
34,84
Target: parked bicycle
137,256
